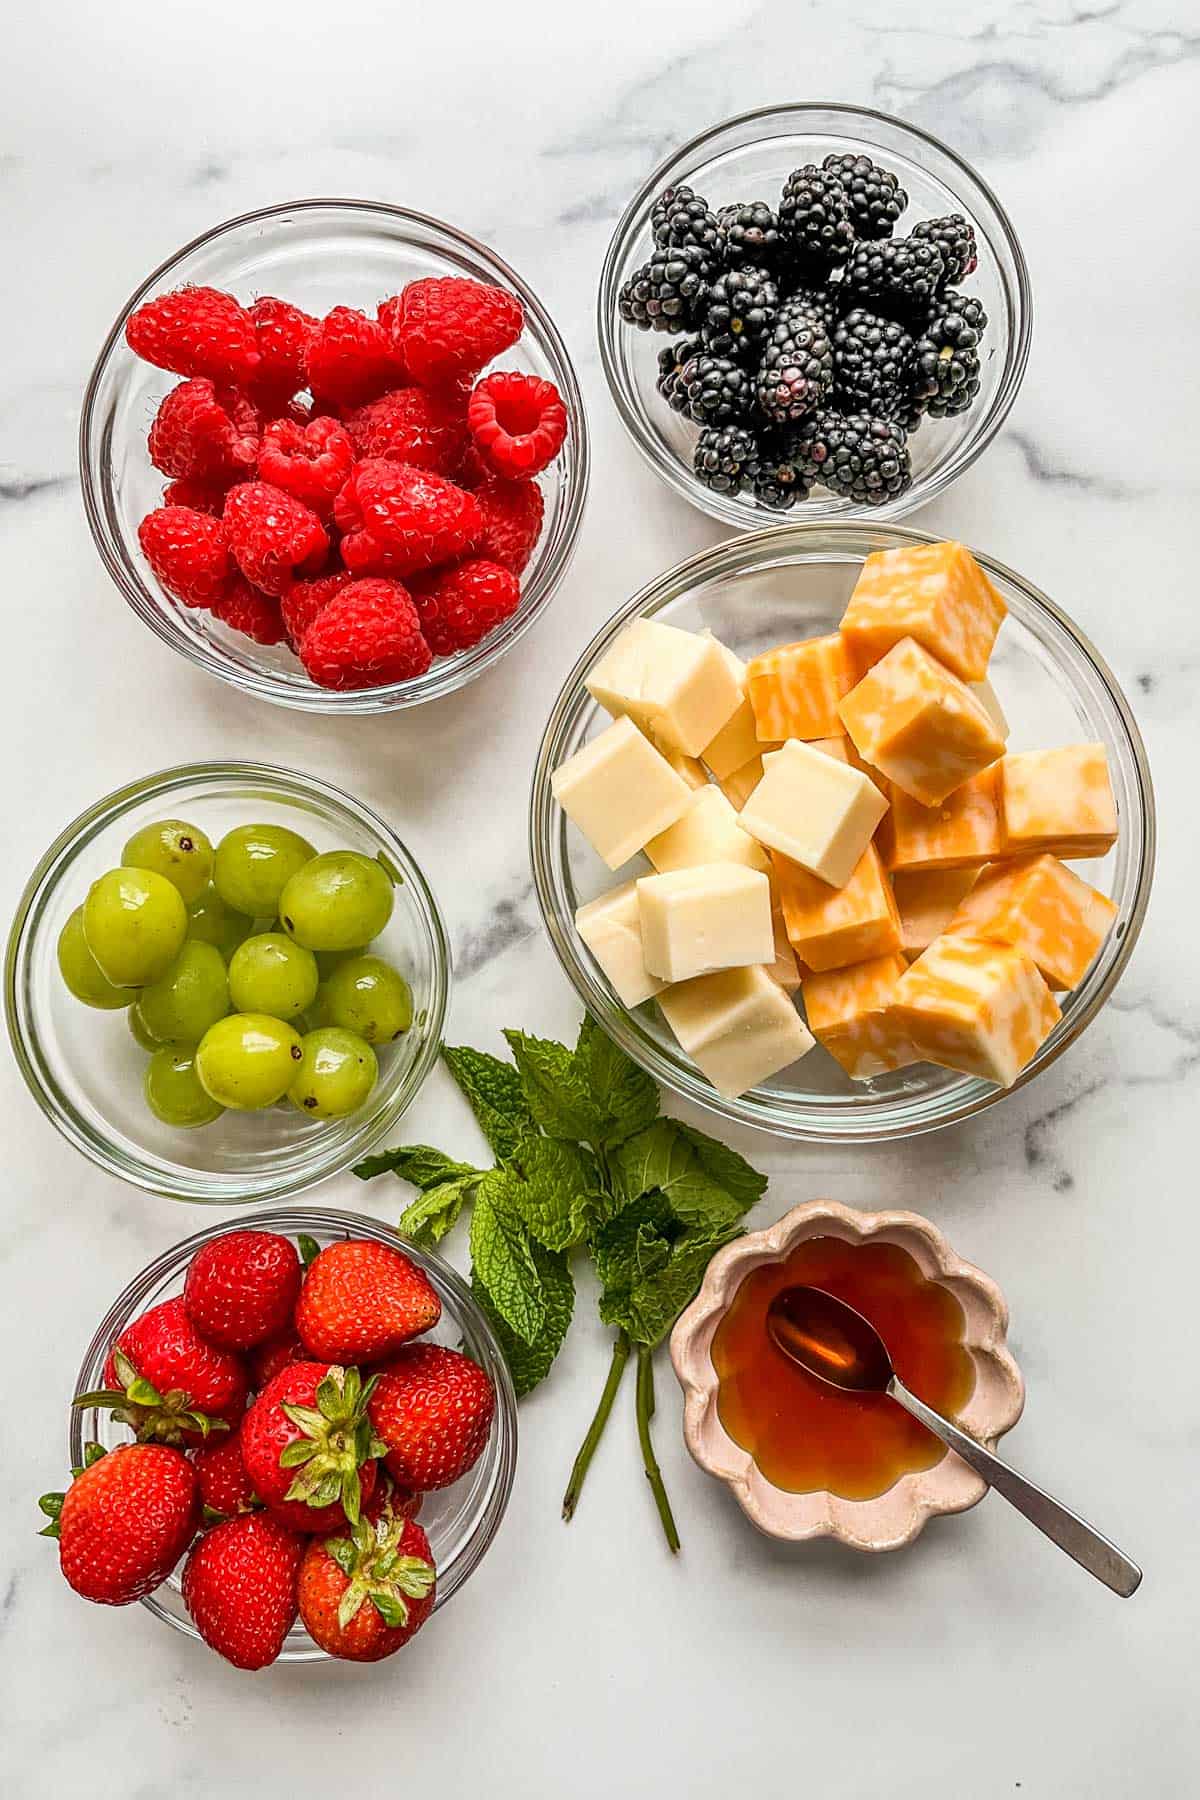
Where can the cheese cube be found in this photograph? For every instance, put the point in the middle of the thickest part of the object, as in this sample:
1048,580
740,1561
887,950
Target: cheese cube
1041,908
964,832
675,684
927,900
919,724
980,1008
739,1027
736,743
712,916
611,927
738,787
620,792
819,812
688,768
1058,800
783,969
986,695
844,750
708,832
795,690
850,1013
935,593
828,927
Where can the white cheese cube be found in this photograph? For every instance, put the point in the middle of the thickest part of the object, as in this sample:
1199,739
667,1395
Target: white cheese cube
708,832
611,928
736,743
620,792
739,1027
675,684
714,916
818,811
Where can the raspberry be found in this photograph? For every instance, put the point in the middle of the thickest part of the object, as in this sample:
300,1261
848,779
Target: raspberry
398,520
199,434
368,635
518,423
305,599
349,359
282,333
310,462
272,535
196,331
249,611
188,552
195,494
459,606
512,521
411,425
448,325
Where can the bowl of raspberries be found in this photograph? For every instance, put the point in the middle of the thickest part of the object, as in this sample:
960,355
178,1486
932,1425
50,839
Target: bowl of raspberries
292,1437
335,453
817,308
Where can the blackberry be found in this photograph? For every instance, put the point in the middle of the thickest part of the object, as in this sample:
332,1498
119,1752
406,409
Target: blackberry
873,195
955,238
750,232
740,312
671,360
904,273
681,220
861,458
796,371
777,478
945,377
667,293
724,456
825,300
872,364
717,389
814,219
959,318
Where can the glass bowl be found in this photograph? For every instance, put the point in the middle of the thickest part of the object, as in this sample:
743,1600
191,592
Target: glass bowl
460,1521
318,253
770,588
749,158
84,1068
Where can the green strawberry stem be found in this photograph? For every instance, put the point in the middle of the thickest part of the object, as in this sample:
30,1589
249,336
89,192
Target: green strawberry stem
645,1412
620,1357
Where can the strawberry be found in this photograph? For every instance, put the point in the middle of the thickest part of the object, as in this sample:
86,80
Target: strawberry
361,1301
433,1409
166,1383
308,1446
239,1585
364,1594
124,1522
266,1360
241,1288
225,1487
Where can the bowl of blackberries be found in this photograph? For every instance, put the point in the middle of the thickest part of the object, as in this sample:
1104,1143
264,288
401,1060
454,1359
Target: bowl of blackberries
816,309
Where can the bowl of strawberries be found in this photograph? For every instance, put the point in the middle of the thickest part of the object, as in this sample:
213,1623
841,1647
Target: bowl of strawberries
293,1436
335,453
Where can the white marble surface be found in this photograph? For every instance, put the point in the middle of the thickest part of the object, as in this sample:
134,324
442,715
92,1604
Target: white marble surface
584,1661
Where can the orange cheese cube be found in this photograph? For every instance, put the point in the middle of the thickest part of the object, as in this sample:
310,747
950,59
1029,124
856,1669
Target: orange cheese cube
964,832
738,787
980,1008
927,900
831,927
920,725
850,1012
795,690
935,593
1058,800
1041,908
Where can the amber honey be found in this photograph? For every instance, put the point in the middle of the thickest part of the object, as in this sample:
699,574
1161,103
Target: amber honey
802,1433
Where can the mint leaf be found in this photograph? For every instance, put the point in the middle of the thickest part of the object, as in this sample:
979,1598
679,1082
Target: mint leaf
654,1158
623,1249
494,1093
625,1094
726,1166
529,1363
503,1257
553,1185
433,1214
701,1203
656,1298
420,1164
556,1089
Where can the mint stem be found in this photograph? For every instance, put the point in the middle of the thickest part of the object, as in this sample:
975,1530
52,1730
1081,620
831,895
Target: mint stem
620,1357
645,1412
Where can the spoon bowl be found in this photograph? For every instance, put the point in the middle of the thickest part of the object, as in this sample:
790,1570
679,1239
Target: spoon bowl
830,1339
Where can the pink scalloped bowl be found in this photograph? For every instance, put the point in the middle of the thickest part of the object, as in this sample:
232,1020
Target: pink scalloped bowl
896,1517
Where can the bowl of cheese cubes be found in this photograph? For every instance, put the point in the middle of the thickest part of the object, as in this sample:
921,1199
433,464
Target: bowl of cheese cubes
842,831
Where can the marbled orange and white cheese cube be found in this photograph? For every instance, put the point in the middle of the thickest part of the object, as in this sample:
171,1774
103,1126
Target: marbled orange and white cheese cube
1058,800
980,1008
795,690
934,593
914,720
850,1012
1043,909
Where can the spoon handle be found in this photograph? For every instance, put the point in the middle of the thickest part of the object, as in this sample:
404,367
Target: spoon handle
1066,1529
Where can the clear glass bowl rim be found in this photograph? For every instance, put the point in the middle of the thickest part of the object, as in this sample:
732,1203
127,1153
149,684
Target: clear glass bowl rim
445,678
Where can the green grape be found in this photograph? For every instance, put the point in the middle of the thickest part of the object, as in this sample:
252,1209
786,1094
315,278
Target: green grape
329,960
173,1091
81,972
366,995
191,996
253,864
248,1060
137,1027
134,922
337,901
270,974
210,921
175,849
336,1073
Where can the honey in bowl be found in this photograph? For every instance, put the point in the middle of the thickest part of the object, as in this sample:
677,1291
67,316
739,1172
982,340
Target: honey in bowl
805,1435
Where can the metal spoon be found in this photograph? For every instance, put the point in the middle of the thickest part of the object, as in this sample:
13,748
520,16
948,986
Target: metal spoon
837,1345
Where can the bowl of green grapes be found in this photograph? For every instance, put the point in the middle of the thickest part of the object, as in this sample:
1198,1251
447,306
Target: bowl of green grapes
226,982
